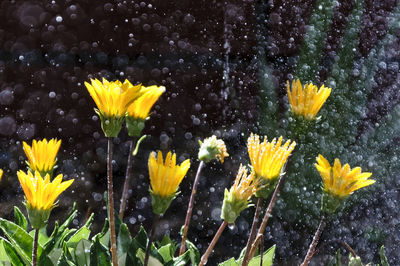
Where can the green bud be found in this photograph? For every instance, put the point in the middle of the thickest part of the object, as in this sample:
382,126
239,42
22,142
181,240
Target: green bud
111,125
159,203
212,148
232,207
134,126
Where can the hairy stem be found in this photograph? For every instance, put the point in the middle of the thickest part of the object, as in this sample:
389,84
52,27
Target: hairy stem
127,181
34,248
268,213
151,239
314,242
111,203
204,258
190,209
252,235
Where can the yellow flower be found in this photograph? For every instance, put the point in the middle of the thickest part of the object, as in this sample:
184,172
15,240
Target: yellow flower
268,158
212,148
42,155
113,98
341,181
140,108
1,173
307,101
166,177
238,197
40,195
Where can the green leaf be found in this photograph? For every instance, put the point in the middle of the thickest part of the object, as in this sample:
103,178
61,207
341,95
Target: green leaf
384,260
81,233
165,252
99,254
8,253
82,252
104,235
20,219
336,261
140,240
193,252
268,258
20,239
65,262
152,261
230,262
124,239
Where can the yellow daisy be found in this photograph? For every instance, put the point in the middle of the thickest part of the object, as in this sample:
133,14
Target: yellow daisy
307,101
166,177
140,108
268,158
42,155
341,181
113,98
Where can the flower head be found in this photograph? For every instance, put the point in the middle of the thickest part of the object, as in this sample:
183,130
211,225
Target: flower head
112,100
212,148
42,155
268,158
139,109
1,173
40,195
165,178
339,182
238,197
307,101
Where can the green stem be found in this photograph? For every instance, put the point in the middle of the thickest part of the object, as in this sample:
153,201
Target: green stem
111,203
190,209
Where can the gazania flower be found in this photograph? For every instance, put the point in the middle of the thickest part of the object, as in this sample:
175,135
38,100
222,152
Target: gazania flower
339,181
212,148
165,178
40,195
139,109
268,158
112,100
42,155
238,197
307,101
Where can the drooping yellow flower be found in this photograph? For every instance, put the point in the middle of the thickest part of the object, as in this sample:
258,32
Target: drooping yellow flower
42,155
165,179
212,148
307,101
40,195
237,198
341,181
113,98
140,108
268,158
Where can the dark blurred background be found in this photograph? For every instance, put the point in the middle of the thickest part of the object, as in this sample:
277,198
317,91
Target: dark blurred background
205,53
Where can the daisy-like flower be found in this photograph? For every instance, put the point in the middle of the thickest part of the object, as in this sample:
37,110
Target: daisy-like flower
339,182
212,148
237,198
165,178
139,109
40,195
1,173
306,102
42,155
112,100
268,159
